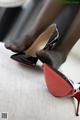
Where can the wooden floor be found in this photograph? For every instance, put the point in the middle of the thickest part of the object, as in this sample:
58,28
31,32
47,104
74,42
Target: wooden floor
23,92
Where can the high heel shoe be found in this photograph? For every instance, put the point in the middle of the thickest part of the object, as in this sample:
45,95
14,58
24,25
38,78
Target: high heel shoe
56,57
60,86
43,41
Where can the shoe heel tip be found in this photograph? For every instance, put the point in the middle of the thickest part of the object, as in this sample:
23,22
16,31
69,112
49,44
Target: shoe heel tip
77,114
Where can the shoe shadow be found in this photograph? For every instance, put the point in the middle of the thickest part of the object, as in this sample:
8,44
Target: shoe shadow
34,69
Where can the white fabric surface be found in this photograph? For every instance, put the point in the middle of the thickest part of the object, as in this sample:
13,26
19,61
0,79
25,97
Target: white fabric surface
11,3
24,96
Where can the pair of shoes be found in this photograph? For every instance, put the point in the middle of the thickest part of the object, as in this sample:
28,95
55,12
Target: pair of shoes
44,41
60,86
11,3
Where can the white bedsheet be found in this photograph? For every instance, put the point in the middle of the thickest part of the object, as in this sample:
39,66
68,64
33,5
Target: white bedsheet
24,96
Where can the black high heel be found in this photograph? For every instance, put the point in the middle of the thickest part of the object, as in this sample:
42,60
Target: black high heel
53,56
49,38
42,42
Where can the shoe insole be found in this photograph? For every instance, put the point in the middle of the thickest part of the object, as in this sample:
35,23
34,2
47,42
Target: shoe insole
41,41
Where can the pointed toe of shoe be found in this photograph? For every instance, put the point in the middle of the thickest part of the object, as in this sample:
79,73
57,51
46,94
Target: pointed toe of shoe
16,57
25,59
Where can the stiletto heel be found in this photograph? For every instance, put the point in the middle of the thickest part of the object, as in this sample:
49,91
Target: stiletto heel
43,41
60,86
77,96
